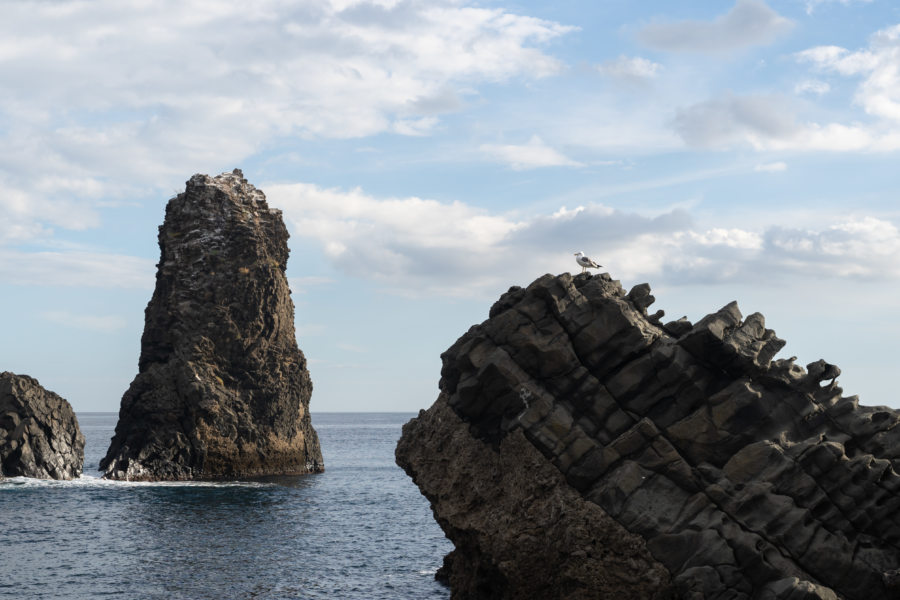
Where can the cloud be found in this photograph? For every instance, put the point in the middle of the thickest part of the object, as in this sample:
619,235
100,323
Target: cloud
770,123
812,86
393,239
415,127
630,68
879,92
861,248
315,68
731,120
422,247
95,323
773,167
811,5
31,209
532,155
106,91
748,23
76,268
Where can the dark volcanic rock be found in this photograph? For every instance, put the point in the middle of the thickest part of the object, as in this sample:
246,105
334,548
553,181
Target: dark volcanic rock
39,434
743,477
222,390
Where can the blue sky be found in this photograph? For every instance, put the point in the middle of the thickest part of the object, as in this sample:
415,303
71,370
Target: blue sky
428,155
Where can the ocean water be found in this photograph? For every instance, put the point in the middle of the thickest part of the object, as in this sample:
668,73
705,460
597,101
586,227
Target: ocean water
359,530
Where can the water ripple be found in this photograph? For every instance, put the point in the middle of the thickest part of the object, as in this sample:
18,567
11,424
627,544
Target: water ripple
359,530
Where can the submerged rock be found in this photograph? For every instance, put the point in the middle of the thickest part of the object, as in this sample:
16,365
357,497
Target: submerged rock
39,434
222,389
575,436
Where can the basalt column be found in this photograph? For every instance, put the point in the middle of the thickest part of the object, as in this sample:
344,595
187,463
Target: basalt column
222,389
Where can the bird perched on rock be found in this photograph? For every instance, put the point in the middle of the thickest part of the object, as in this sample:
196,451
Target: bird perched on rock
585,262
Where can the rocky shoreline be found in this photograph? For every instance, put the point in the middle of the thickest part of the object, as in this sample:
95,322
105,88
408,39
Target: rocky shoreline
580,447
741,476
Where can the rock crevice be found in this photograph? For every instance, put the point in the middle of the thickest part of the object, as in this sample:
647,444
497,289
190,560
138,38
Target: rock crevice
745,476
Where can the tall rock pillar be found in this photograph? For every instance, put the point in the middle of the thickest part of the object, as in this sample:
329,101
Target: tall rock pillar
222,389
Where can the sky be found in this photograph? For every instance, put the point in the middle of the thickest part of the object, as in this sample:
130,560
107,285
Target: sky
428,155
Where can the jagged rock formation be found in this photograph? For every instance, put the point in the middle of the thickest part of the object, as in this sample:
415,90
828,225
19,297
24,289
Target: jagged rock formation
222,390
743,476
39,434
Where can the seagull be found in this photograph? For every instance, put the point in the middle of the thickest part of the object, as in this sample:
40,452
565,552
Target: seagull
585,263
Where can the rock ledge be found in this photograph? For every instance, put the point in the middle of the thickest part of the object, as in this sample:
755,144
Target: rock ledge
571,423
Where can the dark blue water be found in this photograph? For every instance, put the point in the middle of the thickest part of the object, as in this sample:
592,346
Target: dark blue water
359,530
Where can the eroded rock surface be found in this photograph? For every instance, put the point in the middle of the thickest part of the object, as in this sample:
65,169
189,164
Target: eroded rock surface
222,389
745,477
39,434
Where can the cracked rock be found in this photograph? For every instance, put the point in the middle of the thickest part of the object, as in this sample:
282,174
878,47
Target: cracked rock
722,472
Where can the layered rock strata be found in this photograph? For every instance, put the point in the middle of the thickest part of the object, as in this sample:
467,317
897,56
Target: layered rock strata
39,434
222,389
743,476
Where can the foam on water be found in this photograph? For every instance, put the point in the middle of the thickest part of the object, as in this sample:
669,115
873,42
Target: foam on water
99,482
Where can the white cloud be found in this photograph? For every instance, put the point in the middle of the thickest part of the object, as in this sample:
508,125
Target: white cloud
811,5
772,167
812,86
76,268
855,248
748,23
394,239
862,247
424,247
51,201
823,55
879,92
630,68
730,238
131,92
318,67
770,123
415,127
733,120
95,323
532,155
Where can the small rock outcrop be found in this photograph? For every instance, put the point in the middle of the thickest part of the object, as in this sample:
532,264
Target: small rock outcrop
587,450
222,390
39,434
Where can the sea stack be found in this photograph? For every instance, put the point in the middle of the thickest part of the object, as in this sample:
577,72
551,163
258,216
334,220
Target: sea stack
39,434
581,448
222,390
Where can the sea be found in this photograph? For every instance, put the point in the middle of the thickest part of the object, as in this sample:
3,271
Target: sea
360,530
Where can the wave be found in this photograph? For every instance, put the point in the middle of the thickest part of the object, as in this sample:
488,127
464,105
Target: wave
92,481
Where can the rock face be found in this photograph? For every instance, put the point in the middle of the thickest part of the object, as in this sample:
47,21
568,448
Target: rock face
581,443
222,390
39,434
